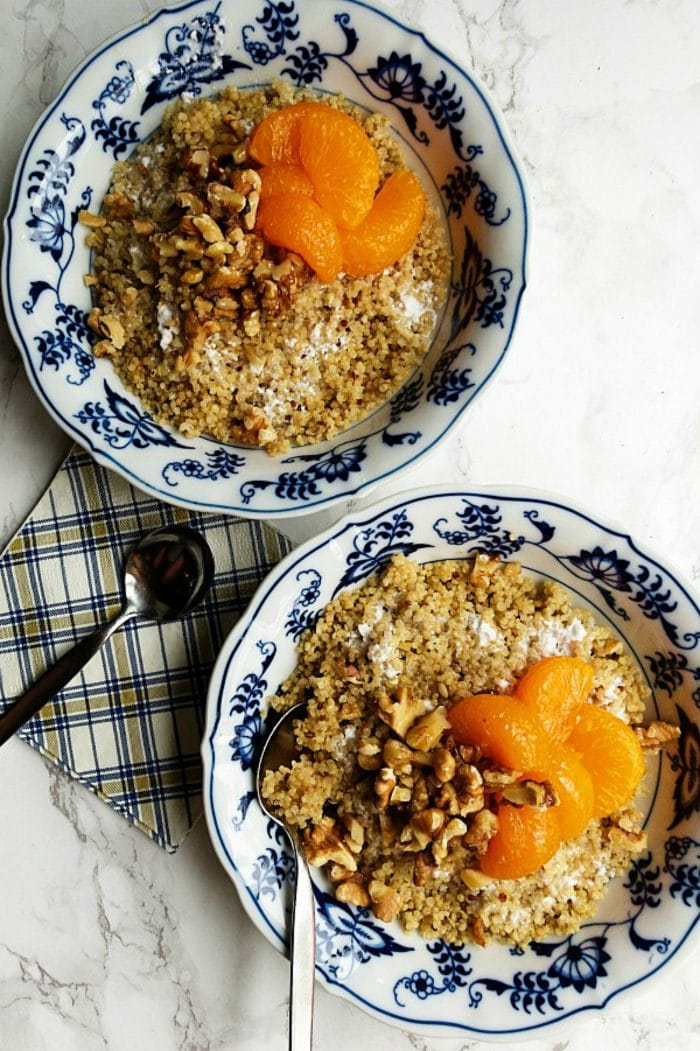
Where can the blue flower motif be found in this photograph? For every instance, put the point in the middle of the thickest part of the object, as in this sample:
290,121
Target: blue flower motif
347,936
193,55
421,984
245,741
48,225
399,76
606,567
581,964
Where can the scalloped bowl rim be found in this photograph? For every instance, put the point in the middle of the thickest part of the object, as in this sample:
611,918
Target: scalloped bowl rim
354,521
104,457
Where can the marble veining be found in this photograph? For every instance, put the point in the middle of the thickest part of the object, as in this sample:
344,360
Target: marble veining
105,942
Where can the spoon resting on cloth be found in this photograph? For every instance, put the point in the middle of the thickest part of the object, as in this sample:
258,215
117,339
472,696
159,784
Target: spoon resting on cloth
168,572
280,749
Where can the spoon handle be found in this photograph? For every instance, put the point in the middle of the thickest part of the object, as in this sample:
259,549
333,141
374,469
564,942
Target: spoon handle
57,676
302,959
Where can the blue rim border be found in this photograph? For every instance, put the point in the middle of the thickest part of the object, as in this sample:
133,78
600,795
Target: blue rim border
215,702
104,457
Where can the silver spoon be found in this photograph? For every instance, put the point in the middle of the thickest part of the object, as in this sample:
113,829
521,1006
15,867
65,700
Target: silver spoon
166,574
280,749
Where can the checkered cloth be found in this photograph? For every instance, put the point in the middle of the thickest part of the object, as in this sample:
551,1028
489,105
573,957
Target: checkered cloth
128,727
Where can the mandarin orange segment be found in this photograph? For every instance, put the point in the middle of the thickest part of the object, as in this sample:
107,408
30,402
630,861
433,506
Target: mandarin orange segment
527,837
611,754
574,790
283,179
552,688
298,223
389,229
275,140
339,158
503,729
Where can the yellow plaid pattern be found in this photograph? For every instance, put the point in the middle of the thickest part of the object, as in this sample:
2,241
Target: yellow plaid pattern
129,726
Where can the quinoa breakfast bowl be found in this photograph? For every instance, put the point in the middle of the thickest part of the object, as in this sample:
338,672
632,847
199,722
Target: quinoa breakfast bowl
224,350
394,627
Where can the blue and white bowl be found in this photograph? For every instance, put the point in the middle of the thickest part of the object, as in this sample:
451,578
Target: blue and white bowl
452,136
647,920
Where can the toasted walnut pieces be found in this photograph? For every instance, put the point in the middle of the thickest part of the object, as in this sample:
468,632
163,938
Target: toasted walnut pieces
378,750
657,736
228,335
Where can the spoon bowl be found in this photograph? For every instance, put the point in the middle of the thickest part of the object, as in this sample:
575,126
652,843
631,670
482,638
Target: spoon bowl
279,750
168,572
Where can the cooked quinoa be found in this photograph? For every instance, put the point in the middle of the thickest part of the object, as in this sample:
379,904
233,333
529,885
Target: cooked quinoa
401,648
256,350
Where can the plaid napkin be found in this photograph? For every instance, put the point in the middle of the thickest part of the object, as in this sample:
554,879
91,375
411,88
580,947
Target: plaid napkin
129,727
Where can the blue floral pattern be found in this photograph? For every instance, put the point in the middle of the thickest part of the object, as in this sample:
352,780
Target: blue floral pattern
645,587
220,464
578,961
668,671
116,134
121,424
448,384
324,469
272,870
245,703
53,229
347,936
277,23
686,763
301,616
545,981
682,854
376,545
194,55
190,50
480,293
453,968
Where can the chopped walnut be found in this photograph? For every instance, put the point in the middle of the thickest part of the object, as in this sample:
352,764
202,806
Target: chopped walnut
632,840
657,736
454,828
353,892
369,754
478,932
482,827
423,868
397,755
427,731
386,904
529,793
323,844
496,778
444,765
384,784
473,879
401,713
94,222
483,569
112,328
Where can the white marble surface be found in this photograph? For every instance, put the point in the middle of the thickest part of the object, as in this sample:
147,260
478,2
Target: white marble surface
105,942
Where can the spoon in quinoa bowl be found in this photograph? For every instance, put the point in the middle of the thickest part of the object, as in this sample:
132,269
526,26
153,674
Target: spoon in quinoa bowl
280,750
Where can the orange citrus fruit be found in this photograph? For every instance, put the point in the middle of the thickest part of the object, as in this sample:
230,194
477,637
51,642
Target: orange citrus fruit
283,179
552,688
389,229
296,222
610,752
503,729
527,837
275,140
339,158
574,788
